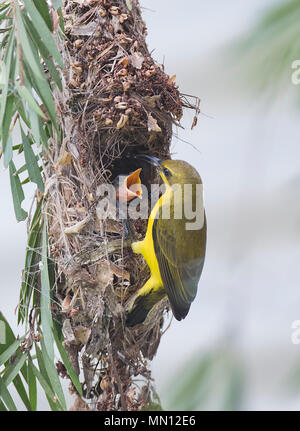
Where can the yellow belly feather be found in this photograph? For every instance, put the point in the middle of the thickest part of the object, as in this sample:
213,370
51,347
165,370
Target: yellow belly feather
146,248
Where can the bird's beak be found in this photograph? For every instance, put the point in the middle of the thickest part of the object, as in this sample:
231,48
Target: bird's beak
155,161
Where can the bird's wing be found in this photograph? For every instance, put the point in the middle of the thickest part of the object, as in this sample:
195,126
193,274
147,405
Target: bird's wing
180,256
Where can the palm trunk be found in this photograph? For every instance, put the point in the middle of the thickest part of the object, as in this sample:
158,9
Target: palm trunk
115,102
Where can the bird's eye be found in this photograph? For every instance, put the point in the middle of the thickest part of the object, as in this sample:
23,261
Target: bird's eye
167,173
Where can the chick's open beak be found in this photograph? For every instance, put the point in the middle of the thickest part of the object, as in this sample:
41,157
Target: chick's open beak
130,188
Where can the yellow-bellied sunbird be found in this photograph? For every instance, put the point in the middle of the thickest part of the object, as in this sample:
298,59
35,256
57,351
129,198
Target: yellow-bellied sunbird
173,250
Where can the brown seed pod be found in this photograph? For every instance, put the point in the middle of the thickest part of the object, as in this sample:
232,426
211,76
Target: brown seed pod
122,72
114,10
126,86
123,62
66,304
123,17
150,73
73,311
123,120
171,80
122,105
38,337
78,43
77,70
104,385
74,83
97,114
77,67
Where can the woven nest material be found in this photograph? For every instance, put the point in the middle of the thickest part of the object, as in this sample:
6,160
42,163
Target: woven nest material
116,102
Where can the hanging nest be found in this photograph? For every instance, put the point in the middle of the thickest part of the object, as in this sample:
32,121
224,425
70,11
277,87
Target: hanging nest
116,102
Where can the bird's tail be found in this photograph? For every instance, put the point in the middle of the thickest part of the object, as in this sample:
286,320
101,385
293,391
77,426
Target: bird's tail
138,312
141,307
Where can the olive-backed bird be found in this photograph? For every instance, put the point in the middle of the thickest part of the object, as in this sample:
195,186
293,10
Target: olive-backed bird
174,253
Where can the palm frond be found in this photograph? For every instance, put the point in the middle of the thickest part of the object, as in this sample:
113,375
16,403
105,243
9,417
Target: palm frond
268,51
29,71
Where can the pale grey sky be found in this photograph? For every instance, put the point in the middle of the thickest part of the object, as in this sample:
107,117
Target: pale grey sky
249,161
